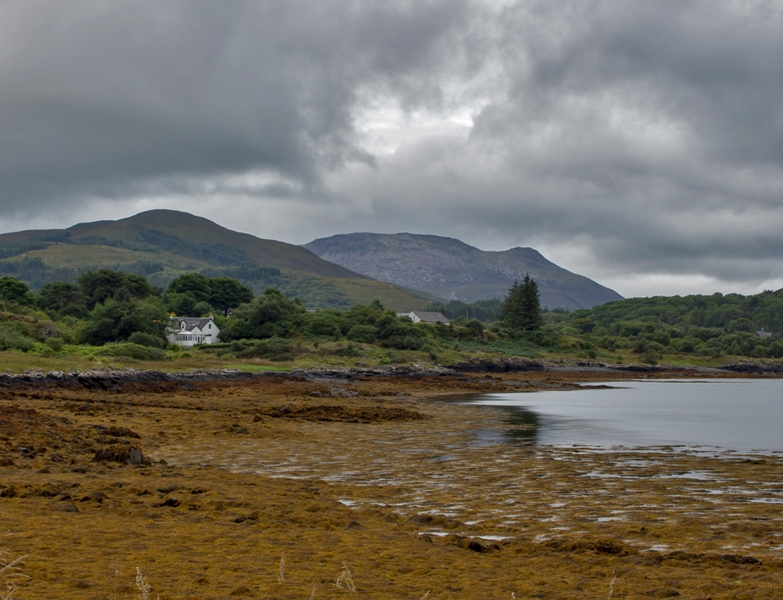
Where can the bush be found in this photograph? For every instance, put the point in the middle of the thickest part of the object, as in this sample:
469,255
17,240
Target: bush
134,351
158,354
147,339
349,350
362,333
12,339
55,344
275,349
650,358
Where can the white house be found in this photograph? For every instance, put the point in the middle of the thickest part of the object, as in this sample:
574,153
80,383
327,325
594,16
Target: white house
418,316
189,331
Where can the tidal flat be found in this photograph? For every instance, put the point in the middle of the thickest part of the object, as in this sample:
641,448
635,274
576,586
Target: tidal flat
273,487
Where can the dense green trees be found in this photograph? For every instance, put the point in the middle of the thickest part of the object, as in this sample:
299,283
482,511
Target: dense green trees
521,310
117,320
13,290
269,315
193,294
704,325
101,285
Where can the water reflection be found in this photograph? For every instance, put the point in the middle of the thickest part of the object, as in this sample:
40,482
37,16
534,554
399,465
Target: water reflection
741,415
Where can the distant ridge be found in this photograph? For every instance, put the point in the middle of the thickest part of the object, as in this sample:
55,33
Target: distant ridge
161,244
453,270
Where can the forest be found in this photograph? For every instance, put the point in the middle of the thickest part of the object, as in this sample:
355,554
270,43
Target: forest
110,313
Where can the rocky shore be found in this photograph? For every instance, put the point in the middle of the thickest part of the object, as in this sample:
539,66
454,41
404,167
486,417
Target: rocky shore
127,380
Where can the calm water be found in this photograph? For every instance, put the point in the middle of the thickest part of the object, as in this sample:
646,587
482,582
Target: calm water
739,414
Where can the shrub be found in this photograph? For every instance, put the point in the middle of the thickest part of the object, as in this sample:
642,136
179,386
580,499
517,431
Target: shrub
650,358
362,333
12,339
55,344
147,339
274,349
158,354
127,350
349,350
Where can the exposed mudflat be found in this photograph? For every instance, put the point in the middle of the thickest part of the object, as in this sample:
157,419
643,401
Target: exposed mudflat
377,472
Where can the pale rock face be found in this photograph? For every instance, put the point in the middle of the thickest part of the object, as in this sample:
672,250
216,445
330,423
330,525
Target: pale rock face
453,270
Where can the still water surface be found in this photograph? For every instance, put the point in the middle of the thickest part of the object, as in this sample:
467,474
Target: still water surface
738,414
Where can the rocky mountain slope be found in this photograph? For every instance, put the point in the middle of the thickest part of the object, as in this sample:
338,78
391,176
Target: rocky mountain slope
451,269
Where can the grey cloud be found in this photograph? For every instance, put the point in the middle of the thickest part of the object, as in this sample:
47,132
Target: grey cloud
651,134
98,98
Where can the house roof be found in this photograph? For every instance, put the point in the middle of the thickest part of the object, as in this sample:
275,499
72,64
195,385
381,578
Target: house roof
431,317
190,322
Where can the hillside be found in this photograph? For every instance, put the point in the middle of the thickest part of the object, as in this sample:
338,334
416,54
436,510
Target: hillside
454,270
162,244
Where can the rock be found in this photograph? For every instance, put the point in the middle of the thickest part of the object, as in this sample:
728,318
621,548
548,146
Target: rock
67,507
477,546
97,497
662,593
130,455
242,590
121,432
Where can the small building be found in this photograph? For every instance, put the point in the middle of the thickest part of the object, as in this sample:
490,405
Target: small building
763,334
190,331
418,316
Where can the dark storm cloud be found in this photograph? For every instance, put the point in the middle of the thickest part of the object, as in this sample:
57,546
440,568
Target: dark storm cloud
646,137
99,98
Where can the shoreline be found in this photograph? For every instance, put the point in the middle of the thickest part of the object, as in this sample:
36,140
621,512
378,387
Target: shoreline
126,379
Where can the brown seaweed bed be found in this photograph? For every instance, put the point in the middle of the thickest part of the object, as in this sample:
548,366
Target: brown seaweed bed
376,474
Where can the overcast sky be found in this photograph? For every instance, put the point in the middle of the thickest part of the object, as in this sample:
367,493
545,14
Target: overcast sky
638,143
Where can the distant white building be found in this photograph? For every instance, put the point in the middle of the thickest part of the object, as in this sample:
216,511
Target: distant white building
763,334
418,316
190,331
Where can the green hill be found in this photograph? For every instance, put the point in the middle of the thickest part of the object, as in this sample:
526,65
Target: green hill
454,270
161,244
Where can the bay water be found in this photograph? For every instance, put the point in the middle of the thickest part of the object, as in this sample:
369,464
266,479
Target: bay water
743,415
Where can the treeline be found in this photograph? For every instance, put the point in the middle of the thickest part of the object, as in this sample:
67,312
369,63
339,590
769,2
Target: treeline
704,325
106,306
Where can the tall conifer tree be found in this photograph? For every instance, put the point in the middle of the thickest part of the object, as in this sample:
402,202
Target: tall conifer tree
521,309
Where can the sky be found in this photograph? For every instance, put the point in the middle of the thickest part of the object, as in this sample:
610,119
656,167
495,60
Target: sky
637,143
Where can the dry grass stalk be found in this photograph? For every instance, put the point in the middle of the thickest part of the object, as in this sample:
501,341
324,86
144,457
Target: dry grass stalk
345,581
281,572
611,586
9,592
143,585
8,569
426,595
116,576
312,594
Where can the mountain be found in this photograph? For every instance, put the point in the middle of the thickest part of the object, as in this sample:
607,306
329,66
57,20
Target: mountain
454,270
162,244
